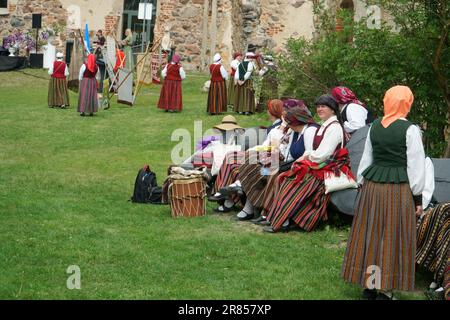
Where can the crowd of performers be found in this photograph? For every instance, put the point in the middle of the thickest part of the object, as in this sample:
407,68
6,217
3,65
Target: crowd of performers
396,223
234,89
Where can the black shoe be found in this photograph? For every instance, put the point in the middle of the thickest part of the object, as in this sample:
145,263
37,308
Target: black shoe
230,190
225,209
264,223
369,294
248,217
383,296
258,220
271,230
91,114
216,198
82,114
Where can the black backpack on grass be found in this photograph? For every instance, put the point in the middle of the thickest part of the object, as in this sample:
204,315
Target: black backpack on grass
146,189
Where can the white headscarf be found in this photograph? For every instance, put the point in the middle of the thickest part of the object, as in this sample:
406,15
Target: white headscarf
217,58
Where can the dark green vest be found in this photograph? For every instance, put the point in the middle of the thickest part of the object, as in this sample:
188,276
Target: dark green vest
389,153
243,67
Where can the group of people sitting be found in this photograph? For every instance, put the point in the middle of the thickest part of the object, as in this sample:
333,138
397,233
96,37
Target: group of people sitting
284,180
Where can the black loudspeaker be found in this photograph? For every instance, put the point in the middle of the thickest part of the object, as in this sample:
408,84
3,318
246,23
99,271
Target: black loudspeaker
37,21
36,60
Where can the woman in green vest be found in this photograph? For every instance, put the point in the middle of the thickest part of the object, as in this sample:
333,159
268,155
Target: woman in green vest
381,246
245,95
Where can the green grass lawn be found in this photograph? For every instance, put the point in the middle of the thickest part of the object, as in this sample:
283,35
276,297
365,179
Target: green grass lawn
64,185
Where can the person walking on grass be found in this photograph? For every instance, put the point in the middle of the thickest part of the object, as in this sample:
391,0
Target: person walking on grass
217,96
170,98
87,100
58,93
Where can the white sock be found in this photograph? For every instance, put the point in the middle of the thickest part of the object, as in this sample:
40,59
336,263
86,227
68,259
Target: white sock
248,207
237,183
440,289
217,194
433,285
286,223
228,204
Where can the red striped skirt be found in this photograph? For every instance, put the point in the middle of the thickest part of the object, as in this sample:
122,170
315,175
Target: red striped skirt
229,172
58,93
171,97
217,97
382,238
87,97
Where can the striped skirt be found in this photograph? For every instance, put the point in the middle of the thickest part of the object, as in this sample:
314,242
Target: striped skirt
381,247
87,97
229,172
433,241
245,97
58,93
304,202
217,98
171,97
257,188
231,90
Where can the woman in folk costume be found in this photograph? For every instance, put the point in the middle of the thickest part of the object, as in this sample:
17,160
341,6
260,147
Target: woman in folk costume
301,196
259,180
245,94
87,99
58,93
127,49
227,177
217,96
381,247
237,59
170,98
269,83
353,112
433,238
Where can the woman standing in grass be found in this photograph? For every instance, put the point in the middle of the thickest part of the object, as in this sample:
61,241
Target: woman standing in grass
217,96
170,98
58,94
237,59
87,99
381,246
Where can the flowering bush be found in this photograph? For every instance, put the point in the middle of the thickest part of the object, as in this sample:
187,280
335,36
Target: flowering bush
19,41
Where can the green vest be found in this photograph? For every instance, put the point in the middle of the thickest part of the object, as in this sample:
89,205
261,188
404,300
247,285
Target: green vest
389,153
243,67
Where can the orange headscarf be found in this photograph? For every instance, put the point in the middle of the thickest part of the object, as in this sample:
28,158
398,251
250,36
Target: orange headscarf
91,62
397,104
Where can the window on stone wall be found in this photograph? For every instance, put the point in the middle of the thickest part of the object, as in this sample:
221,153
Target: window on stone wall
3,3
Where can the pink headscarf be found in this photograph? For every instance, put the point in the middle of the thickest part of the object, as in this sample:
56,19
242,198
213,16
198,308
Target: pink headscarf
176,58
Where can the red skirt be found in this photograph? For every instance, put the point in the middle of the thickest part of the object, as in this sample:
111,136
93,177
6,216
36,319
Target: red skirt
170,97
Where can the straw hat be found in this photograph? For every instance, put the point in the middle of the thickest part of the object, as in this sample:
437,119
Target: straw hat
228,123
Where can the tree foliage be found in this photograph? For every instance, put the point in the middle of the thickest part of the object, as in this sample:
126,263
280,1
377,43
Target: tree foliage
412,49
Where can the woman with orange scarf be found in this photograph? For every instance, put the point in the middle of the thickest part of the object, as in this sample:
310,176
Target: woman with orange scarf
87,99
381,247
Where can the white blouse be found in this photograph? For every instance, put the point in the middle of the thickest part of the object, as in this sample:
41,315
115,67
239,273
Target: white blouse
248,74
334,136
234,64
415,159
428,189
182,72
356,117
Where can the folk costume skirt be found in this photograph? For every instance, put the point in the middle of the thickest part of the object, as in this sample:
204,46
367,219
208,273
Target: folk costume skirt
245,97
433,241
304,202
87,98
229,171
258,188
58,92
217,97
382,241
170,97
231,91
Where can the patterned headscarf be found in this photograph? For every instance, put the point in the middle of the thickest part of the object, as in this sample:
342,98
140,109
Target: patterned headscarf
397,104
344,95
298,115
289,103
275,108
176,58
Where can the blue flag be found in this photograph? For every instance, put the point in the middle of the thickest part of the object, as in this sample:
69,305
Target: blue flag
87,42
